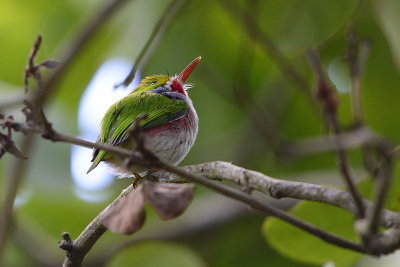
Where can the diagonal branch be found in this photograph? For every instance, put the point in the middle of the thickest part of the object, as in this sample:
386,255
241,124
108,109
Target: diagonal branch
252,28
326,95
18,169
358,137
160,28
262,206
76,250
274,187
382,184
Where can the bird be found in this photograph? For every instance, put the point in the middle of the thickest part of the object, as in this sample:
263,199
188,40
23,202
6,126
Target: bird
170,125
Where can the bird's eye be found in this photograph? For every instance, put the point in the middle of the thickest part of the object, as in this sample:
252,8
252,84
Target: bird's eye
152,83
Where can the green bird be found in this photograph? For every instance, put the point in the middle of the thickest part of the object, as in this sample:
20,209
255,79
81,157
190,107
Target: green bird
170,128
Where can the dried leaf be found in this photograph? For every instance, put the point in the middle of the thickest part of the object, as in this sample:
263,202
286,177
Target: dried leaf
168,200
128,215
50,63
8,145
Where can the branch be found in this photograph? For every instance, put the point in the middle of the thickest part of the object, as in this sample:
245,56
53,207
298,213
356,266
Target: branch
326,95
258,116
18,168
357,137
160,28
276,188
76,250
257,35
357,62
11,100
382,184
206,212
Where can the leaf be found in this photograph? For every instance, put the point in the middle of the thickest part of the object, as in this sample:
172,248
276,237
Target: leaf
301,246
387,15
168,200
127,217
157,253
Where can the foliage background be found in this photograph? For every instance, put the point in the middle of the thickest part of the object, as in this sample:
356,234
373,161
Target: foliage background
235,76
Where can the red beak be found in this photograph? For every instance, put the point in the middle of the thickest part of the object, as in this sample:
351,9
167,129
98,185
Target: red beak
186,72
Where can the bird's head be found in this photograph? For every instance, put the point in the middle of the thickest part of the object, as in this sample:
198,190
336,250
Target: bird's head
164,83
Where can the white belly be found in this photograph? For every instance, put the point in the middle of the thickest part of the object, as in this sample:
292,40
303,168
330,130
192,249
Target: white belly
171,145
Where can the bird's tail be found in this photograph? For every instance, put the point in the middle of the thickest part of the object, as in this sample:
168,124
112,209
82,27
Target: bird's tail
96,160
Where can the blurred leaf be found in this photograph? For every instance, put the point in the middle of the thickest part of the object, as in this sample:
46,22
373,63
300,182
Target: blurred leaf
168,200
297,25
338,72
387,14
301,246
15,256
156,253
239,243
128,216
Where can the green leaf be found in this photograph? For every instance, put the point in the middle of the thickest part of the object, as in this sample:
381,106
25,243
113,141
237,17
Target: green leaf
157,253
387,15
301,246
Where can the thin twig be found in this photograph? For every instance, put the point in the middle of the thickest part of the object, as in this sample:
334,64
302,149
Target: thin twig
172,10
59,137
382,184
11,100
358,137
243,98
256,33
329,100
357,63
31,69
19,165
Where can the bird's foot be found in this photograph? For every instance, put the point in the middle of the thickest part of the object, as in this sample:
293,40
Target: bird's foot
136,180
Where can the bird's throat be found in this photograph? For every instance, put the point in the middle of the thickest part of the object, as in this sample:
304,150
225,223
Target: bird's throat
177,86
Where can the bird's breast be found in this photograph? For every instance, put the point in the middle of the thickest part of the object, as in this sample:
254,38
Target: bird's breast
172,141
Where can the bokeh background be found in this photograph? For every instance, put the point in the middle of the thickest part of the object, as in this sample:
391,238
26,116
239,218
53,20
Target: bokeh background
251,110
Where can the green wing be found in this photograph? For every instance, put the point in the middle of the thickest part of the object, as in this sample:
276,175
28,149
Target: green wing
119,118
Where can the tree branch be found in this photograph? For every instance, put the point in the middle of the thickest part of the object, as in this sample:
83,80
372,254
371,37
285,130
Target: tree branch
276,188
357,62
354,138
18,168
257,35
382,183
76,250
219,170
326,95
160,28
